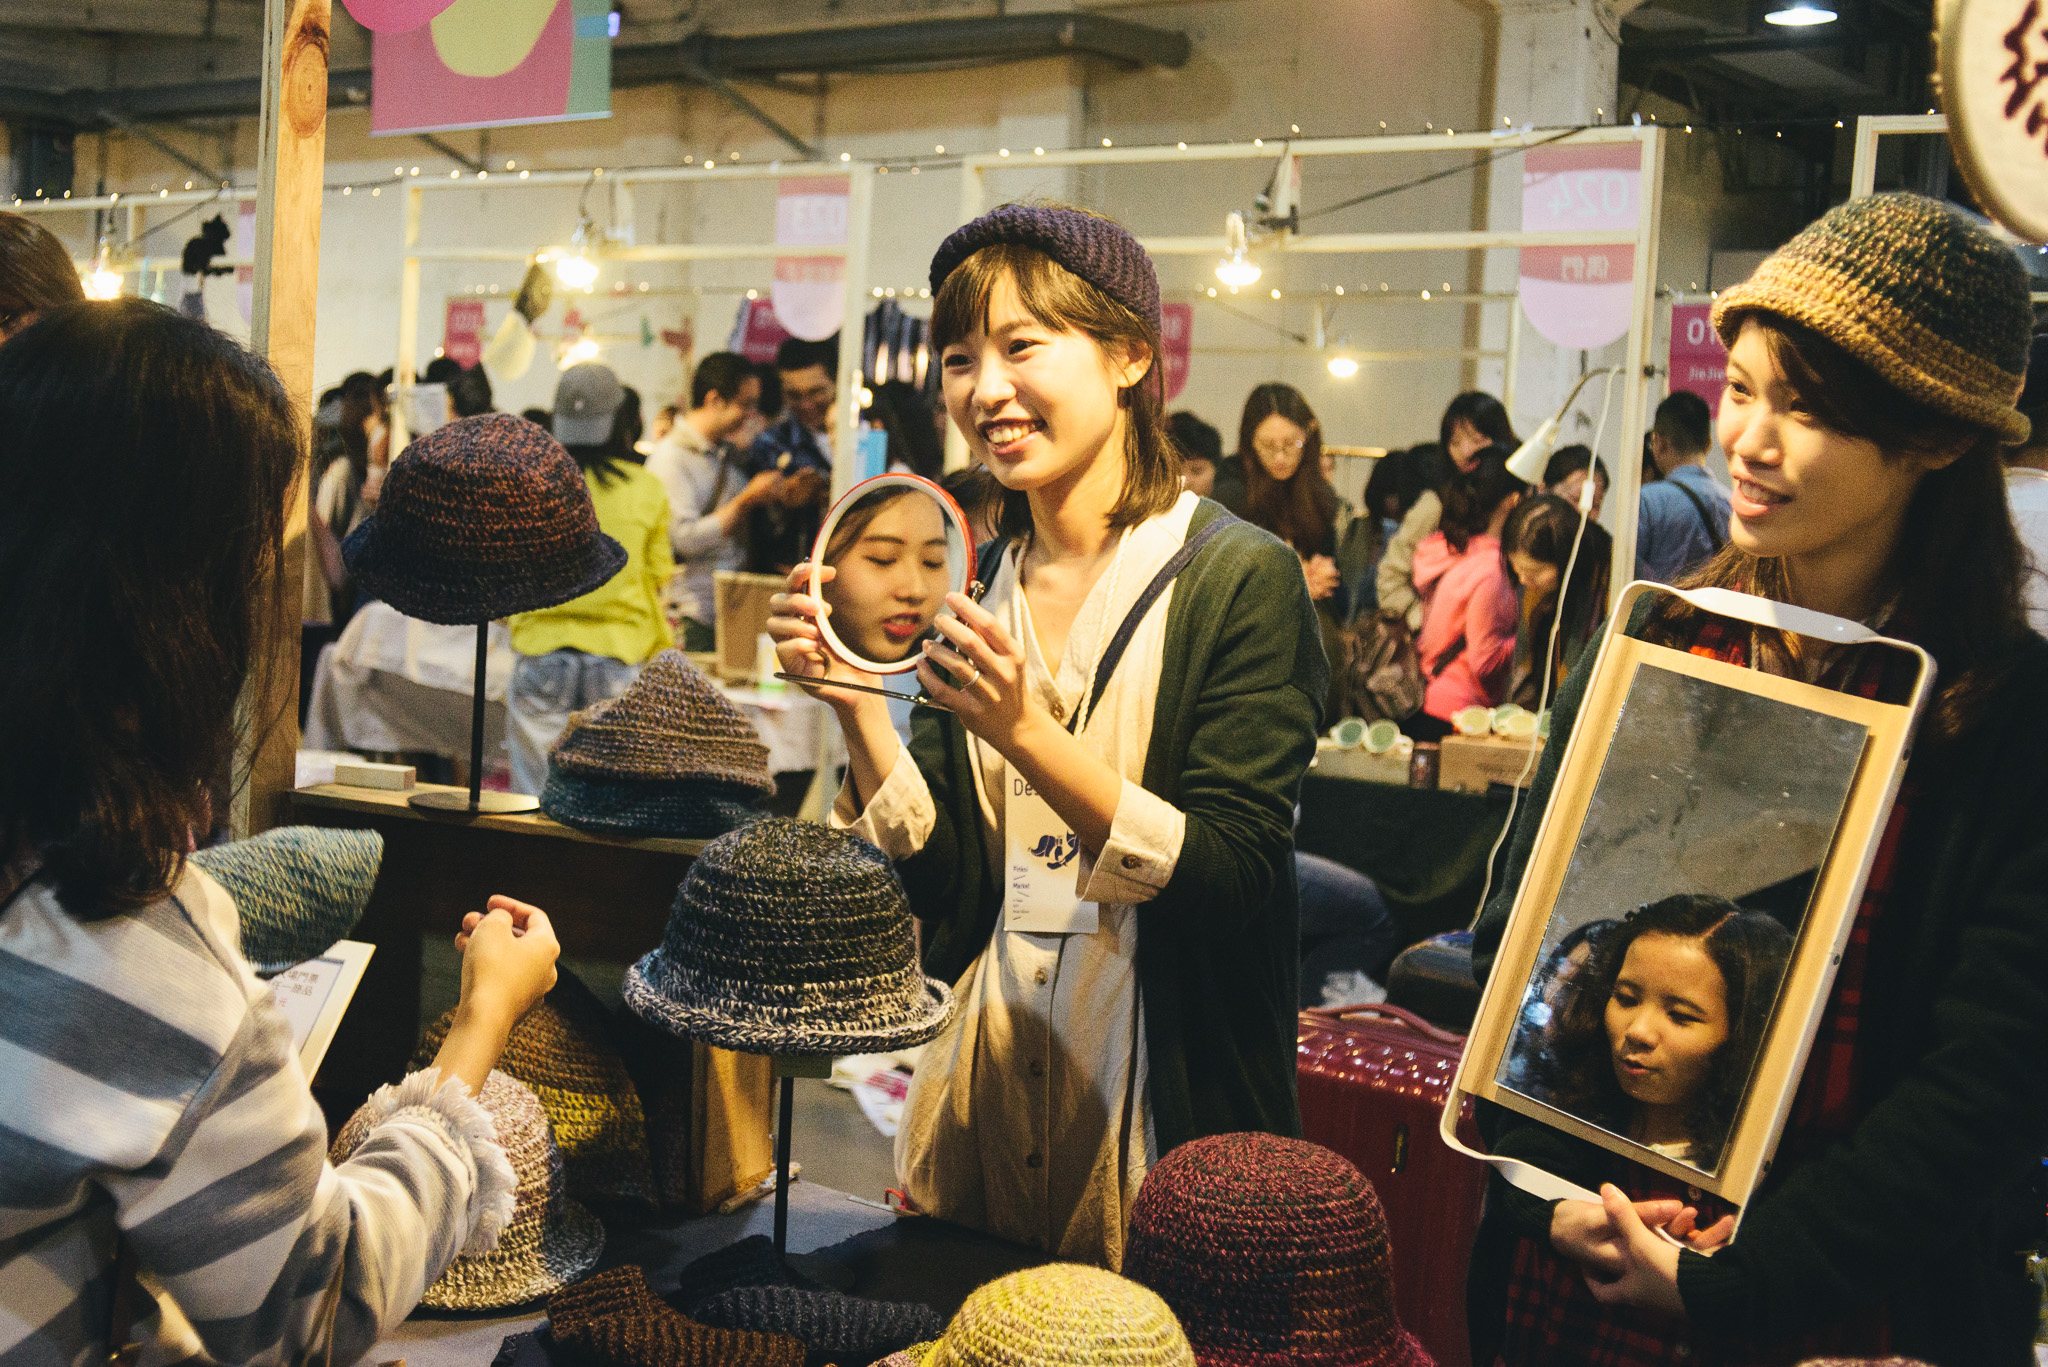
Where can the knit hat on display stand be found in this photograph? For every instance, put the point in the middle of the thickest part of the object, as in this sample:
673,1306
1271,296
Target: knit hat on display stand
1932,302
485,517
1099,250
616,1320
1063,1315
296,889
790,938
1273,1252
550,1241
562,1050
671,756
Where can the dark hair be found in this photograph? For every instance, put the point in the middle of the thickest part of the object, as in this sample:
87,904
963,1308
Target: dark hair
795,353
1685,423
604,461
1470,498
1064,301
1485,413
469,393
1957,568
627,424
1569,460
853,523
1301,509
148,464
906,420
441,370
770,406
1543,528
1196,439
1397,478
540,416
1750,949
721,373
976,494
36,273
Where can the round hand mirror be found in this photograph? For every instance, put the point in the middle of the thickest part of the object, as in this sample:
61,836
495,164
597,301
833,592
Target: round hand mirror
897,545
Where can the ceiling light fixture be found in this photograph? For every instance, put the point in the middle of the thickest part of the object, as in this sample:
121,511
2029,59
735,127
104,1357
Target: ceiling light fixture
574,267
1801,14
1237,267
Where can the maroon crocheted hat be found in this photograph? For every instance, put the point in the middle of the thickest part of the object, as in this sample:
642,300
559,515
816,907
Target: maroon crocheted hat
672,724
1097,249
480,519
1273,1252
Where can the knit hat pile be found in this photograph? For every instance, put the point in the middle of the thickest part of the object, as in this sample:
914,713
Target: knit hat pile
751,1261
1273,1252
1099,250
296,889
480,519
824,1321
618,1321
1909,286
562,1050
1063,1315
551,1240
671,756
790,938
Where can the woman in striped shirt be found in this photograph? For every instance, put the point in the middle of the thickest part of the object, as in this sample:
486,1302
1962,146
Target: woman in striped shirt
150,1098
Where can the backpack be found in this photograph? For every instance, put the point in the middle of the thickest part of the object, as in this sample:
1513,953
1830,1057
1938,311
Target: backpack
1381,673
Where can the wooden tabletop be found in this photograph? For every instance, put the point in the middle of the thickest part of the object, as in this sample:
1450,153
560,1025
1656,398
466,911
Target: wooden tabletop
384,802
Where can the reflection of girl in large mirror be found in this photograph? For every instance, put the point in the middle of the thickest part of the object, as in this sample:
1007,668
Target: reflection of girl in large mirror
892,572
1655,1035
1874,363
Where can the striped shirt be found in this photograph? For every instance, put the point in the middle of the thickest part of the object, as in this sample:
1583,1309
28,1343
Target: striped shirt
149,1086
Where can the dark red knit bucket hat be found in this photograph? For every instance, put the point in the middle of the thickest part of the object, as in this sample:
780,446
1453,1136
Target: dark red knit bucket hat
480,519
1273,1253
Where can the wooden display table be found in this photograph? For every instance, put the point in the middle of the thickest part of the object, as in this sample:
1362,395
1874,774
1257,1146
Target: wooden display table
608,899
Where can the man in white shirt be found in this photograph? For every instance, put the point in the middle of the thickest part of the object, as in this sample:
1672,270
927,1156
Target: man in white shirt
709,493
2026,486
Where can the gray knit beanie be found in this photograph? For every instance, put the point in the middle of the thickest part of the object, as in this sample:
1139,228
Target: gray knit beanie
1097,249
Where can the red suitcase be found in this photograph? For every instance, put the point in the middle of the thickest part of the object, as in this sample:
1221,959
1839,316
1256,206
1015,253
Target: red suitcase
1373,1081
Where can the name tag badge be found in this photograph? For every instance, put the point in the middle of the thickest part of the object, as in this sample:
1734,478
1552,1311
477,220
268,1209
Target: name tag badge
1043,868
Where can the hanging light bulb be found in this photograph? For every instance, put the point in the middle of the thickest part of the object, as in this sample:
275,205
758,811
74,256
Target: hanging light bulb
583,349
1343,365
1800,14
574,267
101,280
1237,268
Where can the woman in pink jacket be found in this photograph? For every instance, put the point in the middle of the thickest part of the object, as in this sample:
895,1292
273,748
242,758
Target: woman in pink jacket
1470,603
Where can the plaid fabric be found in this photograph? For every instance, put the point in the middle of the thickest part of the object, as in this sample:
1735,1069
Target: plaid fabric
1552,1317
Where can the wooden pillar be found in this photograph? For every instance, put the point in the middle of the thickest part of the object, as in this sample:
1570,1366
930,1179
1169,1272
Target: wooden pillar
293,136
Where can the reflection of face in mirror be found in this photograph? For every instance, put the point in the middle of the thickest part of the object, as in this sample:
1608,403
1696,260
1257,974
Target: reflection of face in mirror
1654,1035
889,553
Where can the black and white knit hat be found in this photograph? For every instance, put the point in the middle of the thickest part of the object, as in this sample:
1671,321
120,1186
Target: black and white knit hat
790,938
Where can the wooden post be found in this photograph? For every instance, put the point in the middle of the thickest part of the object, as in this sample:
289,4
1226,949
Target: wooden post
293,137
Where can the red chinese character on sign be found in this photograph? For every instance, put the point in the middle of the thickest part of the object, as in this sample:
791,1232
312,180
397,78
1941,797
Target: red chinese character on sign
2027,71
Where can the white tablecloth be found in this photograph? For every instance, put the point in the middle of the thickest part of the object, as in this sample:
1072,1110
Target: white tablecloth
393,682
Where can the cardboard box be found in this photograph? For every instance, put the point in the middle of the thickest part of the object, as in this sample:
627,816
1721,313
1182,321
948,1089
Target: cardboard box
1471,764
1335,761
742,617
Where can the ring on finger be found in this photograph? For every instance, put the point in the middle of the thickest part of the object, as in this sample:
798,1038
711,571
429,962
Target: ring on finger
972,679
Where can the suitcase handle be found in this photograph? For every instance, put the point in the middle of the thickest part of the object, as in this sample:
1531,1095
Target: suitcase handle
1394,1013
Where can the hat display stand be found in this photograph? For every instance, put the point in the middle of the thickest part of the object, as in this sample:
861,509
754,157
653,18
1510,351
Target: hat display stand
476,802
787,1068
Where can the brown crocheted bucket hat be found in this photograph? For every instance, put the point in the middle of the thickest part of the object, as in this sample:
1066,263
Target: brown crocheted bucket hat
672,724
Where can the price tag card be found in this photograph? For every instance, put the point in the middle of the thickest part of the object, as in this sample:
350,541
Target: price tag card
313,995
1042,866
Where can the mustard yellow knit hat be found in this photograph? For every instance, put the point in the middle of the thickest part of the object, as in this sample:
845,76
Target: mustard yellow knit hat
1910,287
1063,1315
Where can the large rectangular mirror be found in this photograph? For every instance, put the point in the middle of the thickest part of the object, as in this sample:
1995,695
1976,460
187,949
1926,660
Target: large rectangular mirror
1684,905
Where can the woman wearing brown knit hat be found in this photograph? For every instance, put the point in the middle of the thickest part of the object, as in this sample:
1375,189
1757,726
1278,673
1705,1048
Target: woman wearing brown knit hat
1873,366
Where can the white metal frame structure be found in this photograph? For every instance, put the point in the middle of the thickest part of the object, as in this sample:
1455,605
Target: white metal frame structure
1649,221
859,177
138,204
1863,173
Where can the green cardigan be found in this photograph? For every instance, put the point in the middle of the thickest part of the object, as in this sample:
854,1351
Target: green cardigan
1923,1207
1233,730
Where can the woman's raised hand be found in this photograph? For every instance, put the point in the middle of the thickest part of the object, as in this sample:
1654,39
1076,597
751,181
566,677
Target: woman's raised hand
986,689
508,959
800,645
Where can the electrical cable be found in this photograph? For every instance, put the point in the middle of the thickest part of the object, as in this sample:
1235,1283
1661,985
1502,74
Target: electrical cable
1587,493
1387,190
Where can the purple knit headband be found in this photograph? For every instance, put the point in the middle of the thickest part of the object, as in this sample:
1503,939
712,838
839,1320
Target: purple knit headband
1099,251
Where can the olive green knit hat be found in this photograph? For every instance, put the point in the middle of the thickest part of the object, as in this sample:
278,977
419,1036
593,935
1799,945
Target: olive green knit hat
1909,286
1063,1315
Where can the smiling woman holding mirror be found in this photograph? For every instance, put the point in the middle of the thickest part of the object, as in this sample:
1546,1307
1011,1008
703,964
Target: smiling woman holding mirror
1096,831
1873,367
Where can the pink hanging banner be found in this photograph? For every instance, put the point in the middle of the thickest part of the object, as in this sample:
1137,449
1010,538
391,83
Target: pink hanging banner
757,333
1176,337
1699,363
462,336
1579,297
809,291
